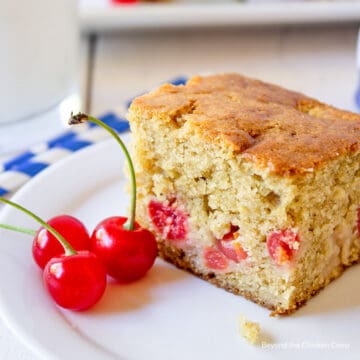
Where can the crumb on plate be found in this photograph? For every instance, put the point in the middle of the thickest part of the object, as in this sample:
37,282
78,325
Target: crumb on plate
249,330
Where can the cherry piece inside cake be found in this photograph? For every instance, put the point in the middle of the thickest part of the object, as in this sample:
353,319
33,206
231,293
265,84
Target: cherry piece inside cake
250,186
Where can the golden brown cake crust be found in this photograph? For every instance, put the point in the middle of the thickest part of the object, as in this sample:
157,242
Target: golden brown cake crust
278,129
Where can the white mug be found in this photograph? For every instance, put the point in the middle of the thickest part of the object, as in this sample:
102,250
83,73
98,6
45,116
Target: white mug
38,56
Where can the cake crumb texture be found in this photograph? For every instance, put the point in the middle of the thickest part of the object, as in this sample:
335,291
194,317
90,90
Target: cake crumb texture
251,187
249,330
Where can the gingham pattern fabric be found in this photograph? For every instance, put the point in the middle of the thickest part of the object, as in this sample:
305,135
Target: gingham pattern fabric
17,171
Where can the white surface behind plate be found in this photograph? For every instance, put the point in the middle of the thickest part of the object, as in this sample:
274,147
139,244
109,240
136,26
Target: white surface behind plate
320,62
167,315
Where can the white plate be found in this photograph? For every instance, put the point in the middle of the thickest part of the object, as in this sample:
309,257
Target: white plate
100,15
167,315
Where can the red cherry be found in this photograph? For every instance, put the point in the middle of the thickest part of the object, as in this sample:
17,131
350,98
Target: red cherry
46,246
232,250
231,247
117,2
168,220
75,282
126,254
214,259
127,250
282,245
232,234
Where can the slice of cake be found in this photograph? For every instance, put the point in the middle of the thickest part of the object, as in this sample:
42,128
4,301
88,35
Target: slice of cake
250,186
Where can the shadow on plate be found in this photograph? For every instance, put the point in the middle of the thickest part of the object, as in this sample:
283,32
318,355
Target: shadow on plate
340,295
130,297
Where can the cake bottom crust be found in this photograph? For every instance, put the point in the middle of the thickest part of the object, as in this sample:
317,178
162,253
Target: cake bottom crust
177,257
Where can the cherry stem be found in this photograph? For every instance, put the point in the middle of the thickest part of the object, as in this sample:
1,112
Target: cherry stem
18,229
69,250
80,118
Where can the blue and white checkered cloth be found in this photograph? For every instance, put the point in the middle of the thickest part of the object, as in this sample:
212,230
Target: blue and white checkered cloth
17,171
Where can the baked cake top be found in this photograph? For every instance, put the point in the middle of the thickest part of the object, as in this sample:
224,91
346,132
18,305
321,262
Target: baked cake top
282,130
